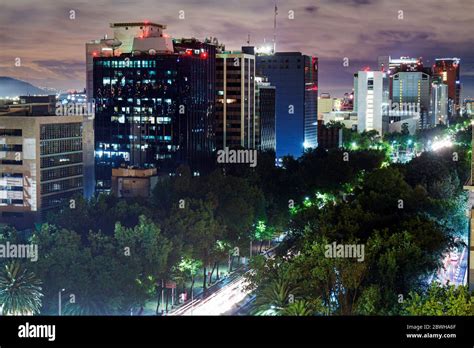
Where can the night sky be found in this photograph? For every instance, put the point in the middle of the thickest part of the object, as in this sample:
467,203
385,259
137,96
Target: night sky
52,46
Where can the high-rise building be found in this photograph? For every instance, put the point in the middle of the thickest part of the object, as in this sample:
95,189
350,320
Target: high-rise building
370,95
155,100
265,102
409,93
410,97
43,164
77,103
439,103
236,110
447,69
295,77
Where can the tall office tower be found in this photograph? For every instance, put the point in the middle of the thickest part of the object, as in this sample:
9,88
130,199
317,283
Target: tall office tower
77,103
155,101
370,93
265,107
42,166
127,38
410,96
295,77
448,70
235,109
439,102
409,92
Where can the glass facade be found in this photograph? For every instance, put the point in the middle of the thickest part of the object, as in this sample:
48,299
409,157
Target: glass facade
61,162
266,106
296,80
154,111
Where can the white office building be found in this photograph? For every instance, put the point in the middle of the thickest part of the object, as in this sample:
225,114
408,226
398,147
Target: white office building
439,103
370,95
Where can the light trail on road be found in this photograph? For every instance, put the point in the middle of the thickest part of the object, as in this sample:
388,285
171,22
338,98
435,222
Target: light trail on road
224,301
220,302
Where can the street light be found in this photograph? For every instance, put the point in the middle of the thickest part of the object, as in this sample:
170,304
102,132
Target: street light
60,300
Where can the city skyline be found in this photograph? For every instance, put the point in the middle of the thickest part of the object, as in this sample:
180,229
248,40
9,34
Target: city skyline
242,158
431,30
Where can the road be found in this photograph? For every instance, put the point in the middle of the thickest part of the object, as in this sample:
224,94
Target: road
228,297
454,267
219,300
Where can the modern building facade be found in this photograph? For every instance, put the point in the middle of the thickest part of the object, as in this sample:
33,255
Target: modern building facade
295,77
439,103
266,113
42,165
448,70
155,101
370,94
409,93
410,97
237,123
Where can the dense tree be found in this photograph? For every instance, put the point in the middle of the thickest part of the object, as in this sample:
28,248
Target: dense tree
403,247
440,300
100,213
20,290
99,276
198,231
148,250
273,297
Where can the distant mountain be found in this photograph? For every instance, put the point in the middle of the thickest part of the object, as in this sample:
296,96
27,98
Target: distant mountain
10,87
